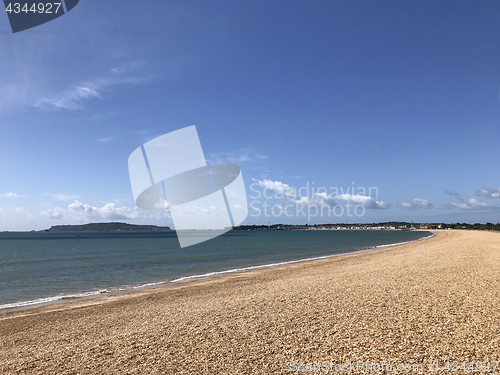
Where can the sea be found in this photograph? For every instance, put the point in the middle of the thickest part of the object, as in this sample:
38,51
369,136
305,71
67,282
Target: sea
44,267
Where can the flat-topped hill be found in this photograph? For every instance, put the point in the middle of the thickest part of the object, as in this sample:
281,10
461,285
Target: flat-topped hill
107,227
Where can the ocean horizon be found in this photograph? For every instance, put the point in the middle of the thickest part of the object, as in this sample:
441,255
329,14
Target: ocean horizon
40,267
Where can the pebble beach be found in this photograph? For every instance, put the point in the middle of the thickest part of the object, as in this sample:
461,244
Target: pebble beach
423,306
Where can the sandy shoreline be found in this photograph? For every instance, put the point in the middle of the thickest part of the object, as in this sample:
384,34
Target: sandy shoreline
78,296
428,301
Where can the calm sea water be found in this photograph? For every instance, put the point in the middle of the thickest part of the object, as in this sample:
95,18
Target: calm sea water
44,267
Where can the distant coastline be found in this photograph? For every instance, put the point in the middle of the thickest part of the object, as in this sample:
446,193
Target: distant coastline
392,225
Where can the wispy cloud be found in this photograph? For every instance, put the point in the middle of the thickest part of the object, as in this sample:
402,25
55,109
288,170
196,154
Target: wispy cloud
470,203
37,74
12,95
417,203
103,116
104,140
451,193
63,197
97,117
12,195
489,192
127,67
73,97
262,171
240,156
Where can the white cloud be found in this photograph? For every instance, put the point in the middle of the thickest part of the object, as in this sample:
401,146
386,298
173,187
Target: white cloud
112,211
326,199
56,213
85,212
318,199
473,204
366,201
63,197
488,192
162,205
12,195
417,203
156,215
80,207
281,190
109,211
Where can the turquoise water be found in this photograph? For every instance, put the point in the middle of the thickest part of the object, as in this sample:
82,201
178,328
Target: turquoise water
44,267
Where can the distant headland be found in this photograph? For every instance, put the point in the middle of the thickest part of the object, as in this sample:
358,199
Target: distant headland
105,227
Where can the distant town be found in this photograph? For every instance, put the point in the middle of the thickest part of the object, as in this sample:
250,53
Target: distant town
393,225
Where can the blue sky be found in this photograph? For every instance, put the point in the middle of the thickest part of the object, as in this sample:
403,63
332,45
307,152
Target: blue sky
401,96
